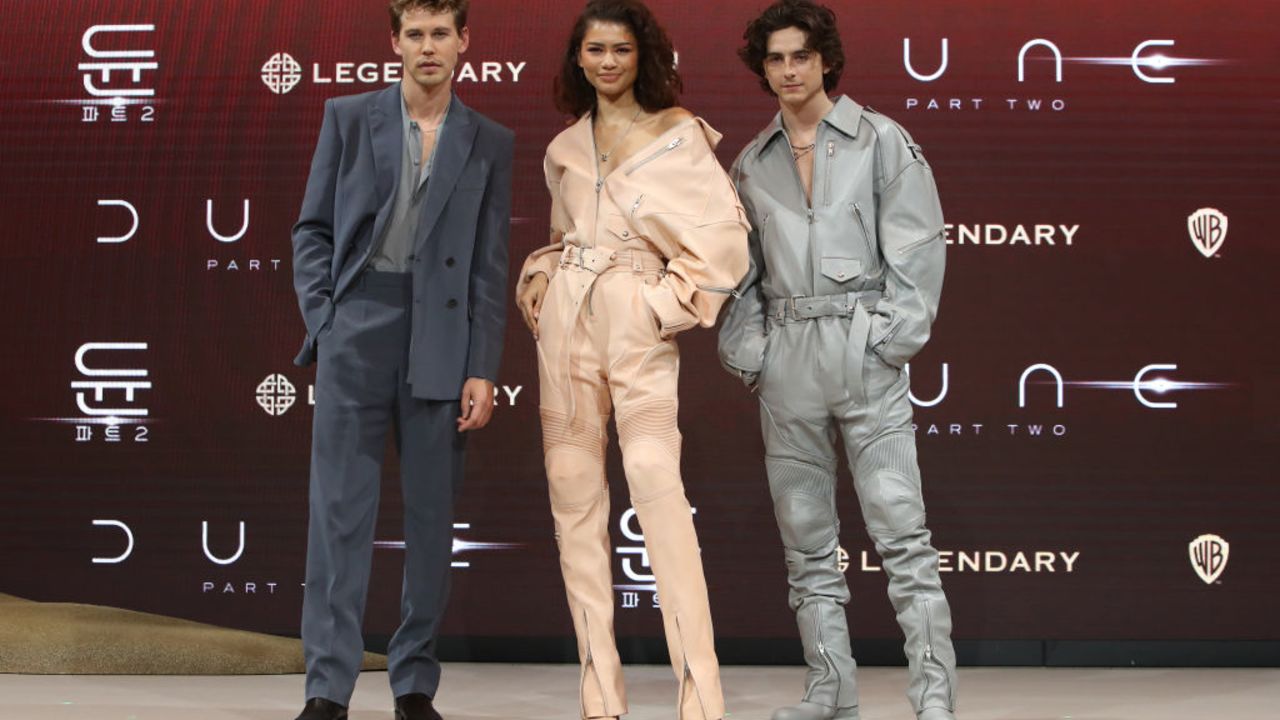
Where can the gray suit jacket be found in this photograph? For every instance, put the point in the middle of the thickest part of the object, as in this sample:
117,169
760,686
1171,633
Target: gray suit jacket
460,256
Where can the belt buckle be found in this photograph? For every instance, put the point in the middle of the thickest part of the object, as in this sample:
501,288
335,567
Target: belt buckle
790,307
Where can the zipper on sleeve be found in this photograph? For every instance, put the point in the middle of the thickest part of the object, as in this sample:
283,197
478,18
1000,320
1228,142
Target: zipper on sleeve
916,245
714,289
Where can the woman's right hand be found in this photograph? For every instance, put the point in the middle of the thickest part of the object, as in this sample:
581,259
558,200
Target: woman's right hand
530,301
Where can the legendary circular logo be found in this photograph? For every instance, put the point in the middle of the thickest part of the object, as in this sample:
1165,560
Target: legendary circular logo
276,394
281,73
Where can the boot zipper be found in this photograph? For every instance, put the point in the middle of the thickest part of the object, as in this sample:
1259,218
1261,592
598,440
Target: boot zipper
930,658
822,651
661,151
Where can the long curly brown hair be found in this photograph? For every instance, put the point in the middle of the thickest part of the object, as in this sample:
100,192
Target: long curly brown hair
658,83
817,22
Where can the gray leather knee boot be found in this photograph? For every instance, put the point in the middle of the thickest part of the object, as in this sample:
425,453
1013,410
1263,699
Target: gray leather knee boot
831,691
925,619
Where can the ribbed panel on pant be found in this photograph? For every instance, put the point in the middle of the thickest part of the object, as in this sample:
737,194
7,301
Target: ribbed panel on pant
789,476
580,434
896,452
654,421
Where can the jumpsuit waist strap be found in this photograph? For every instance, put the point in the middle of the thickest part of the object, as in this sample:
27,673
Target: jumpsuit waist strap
849,358
795,309
601,260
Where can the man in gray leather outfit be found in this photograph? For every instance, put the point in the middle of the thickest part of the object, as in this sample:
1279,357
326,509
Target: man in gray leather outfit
847,260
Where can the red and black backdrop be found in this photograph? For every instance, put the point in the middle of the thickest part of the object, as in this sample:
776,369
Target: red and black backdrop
1096,413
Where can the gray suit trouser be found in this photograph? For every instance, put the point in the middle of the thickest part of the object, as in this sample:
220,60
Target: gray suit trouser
361,394
805,402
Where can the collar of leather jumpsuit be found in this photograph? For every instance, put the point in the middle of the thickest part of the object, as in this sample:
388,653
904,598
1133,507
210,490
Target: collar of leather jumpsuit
845,115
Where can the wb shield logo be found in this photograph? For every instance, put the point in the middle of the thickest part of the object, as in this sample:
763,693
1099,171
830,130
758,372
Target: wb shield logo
1208,230
1209,557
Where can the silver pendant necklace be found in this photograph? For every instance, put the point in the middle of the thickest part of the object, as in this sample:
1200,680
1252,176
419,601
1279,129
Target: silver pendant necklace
604,156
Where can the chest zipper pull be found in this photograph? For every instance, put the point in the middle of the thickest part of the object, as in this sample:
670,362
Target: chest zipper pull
826,175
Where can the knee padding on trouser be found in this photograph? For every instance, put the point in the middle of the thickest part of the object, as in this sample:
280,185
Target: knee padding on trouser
650,442
888,482
574,456
803,504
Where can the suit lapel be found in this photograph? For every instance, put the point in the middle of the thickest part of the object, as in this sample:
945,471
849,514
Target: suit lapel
459,133
386,132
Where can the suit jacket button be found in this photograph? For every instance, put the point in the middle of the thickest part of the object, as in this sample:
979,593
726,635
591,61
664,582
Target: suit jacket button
448,262
451,304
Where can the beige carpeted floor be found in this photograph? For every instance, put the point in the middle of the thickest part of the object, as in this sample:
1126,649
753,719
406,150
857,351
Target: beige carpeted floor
66,638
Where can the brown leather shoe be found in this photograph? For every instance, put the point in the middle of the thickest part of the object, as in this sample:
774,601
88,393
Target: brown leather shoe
322,709
415,706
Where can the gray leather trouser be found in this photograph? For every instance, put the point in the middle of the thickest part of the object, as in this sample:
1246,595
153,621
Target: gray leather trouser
805,401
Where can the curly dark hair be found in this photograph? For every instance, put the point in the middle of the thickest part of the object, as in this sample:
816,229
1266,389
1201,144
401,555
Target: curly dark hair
817,22
658,83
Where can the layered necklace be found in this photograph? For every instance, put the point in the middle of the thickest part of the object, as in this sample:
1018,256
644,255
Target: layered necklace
799,151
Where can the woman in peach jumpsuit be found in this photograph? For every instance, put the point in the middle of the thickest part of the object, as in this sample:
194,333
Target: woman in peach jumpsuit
647,239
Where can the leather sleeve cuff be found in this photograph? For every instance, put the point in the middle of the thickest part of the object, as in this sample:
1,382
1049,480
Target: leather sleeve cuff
672,317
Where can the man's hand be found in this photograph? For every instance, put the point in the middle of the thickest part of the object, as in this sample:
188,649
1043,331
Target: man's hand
477,404
530,301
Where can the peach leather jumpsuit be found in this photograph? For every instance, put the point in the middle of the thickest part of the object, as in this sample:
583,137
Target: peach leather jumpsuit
653,248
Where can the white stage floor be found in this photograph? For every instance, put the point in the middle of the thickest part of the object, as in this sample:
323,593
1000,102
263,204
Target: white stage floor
544,692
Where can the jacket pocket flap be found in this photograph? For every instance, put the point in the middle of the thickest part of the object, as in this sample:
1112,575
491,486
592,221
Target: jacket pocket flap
618,226
841,269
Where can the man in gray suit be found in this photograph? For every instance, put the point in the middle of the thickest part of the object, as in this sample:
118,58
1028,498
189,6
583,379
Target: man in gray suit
400,265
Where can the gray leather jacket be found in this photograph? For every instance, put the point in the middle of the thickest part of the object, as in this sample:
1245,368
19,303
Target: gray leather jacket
874,232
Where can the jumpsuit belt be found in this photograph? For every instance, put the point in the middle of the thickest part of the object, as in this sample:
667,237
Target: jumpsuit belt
579,268
853,305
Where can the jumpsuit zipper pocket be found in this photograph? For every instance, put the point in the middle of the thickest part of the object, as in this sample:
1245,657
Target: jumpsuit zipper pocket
661,151
826,182
866,231
636,205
